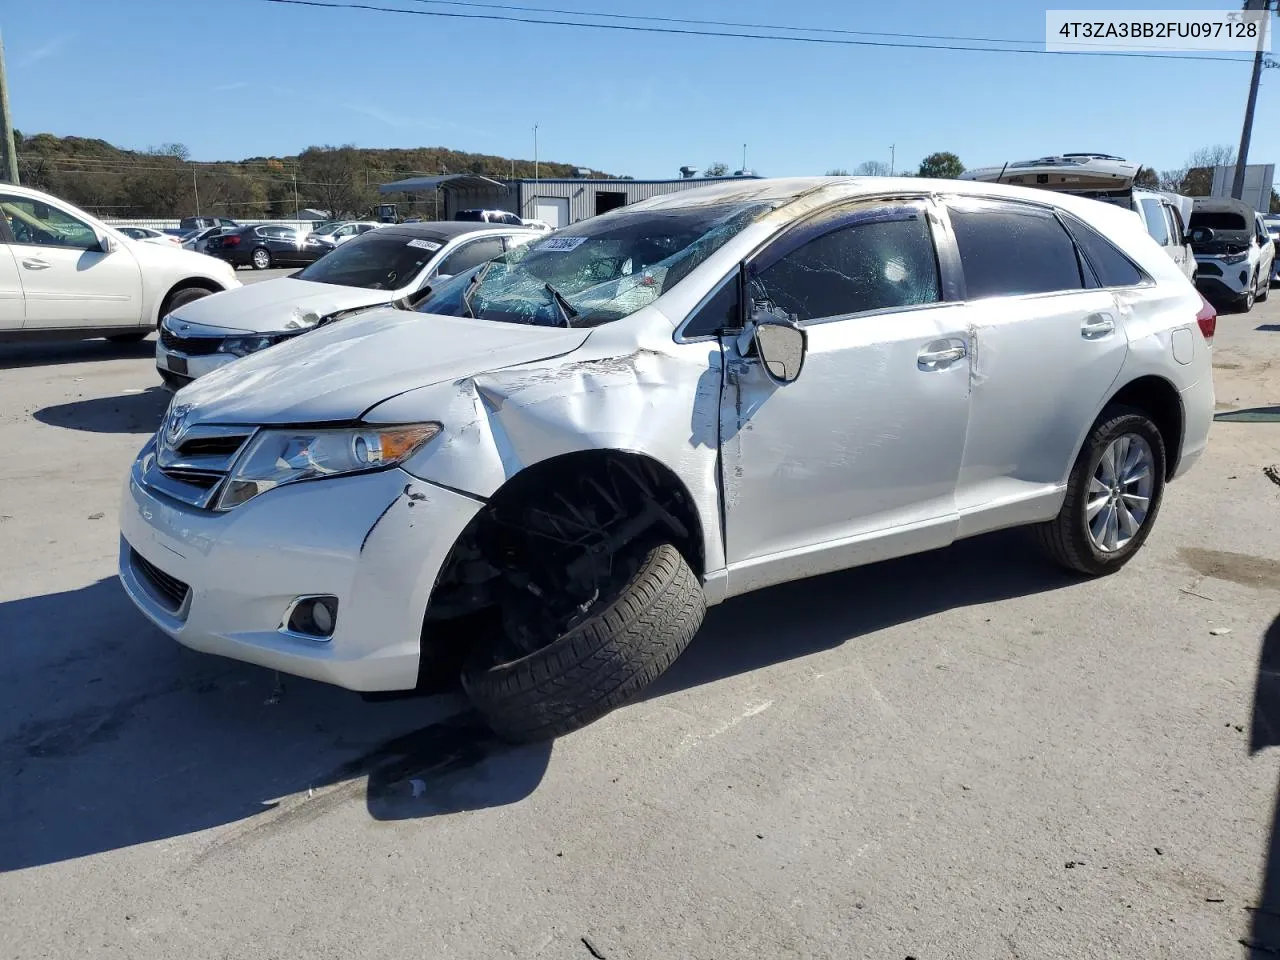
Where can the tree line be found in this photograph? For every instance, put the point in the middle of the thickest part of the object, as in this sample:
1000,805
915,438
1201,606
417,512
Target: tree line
163,181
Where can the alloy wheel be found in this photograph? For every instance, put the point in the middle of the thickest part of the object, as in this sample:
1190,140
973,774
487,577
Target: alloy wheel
1119,497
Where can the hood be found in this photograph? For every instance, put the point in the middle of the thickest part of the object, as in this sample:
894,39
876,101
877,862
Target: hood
173,258
336,373
272,305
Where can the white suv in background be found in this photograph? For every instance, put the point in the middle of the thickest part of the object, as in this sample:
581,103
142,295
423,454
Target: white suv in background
65,274
1235,255
544,475
1166,216
372,269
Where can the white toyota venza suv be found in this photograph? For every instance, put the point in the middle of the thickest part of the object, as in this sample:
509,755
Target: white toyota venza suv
544,475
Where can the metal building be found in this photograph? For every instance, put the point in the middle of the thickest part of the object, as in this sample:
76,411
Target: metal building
556,202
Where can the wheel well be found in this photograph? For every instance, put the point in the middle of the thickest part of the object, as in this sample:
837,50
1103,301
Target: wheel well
554,514
1159,400
192,283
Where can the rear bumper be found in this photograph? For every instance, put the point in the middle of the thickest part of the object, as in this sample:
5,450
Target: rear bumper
1197,415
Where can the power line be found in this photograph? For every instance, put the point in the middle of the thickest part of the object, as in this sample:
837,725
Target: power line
831,41
711,23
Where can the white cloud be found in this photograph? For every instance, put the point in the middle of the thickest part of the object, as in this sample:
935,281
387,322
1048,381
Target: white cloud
43,52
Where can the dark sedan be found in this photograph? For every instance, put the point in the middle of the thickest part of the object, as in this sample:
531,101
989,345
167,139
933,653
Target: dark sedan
265,246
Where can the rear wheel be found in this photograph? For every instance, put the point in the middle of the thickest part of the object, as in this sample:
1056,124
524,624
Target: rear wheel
1113,495
261,258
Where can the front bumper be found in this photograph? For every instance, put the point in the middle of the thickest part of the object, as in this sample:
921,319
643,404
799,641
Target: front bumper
1226,280
375,541
178,368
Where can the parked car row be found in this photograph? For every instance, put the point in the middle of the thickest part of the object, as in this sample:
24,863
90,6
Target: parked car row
538,464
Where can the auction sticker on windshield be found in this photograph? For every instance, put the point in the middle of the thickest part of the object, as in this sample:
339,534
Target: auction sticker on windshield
424,244
562,244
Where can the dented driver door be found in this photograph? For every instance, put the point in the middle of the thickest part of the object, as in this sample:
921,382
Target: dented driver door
857,459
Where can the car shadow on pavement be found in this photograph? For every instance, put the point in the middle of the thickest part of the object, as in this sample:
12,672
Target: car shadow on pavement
1264,731
130,413
797,619
1249,415
113,735
50,352
1268,327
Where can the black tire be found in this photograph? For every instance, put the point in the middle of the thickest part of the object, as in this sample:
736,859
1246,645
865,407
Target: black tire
128,337
1065,539
259,262
600,663
185,296
1244,302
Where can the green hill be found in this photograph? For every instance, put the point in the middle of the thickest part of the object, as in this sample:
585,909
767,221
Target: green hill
163,182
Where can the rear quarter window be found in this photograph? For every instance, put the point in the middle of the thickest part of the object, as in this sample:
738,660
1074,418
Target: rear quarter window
1110,266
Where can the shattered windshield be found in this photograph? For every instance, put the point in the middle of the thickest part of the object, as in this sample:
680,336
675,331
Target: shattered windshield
597,271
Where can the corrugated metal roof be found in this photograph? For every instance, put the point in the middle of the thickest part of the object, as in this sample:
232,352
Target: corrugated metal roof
702,181
423,184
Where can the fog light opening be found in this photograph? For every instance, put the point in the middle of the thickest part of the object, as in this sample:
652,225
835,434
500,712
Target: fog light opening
313,617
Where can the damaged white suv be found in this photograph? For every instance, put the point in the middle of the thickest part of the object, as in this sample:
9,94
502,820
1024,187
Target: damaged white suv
545,474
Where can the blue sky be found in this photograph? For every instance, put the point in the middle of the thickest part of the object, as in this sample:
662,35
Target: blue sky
241,78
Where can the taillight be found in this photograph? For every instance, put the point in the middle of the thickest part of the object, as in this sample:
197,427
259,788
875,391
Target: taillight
231,241
1207,318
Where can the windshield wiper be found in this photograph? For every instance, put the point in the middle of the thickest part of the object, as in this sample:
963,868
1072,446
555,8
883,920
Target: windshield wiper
567,311
472,285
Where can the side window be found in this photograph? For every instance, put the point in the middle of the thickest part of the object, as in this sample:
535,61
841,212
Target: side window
470,255
719,312
1112,268
39,224
1011,249
1177,227
1157,225
873,258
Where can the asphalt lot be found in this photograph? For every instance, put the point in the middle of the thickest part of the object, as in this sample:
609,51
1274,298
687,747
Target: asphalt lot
963,754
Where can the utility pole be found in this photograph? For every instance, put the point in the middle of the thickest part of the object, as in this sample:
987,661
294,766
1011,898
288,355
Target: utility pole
535,153
893,157
295,195
6,126
1246,132
195,187
744,158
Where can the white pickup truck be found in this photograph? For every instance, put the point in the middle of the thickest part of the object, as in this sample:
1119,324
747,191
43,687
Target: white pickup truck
66,275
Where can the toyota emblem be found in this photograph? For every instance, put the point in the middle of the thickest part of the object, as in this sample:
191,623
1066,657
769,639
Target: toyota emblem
176,423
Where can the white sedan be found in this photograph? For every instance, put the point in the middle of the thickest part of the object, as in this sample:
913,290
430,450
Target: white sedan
147,235
372,269
66,274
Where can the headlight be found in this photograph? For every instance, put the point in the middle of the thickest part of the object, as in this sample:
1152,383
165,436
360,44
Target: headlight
243,346
1235,258
277,457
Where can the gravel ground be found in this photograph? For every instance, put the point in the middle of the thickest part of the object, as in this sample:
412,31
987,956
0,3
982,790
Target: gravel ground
963,754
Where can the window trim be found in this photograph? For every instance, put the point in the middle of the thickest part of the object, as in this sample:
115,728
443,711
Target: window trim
733,276
1147,281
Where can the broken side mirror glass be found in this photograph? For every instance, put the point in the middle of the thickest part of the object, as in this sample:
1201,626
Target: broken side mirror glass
781,346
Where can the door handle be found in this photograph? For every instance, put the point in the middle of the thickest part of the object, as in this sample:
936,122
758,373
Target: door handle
31,263
933,355
1097,325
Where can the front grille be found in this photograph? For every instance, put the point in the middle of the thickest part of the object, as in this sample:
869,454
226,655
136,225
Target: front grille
167,590
191,346
193,471
1208,269
222,446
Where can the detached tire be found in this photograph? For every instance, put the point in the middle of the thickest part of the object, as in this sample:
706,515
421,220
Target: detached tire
600,663
1073,539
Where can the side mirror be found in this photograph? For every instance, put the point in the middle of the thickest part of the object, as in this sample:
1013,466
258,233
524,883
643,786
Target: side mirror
781,346
107,242
1200,235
